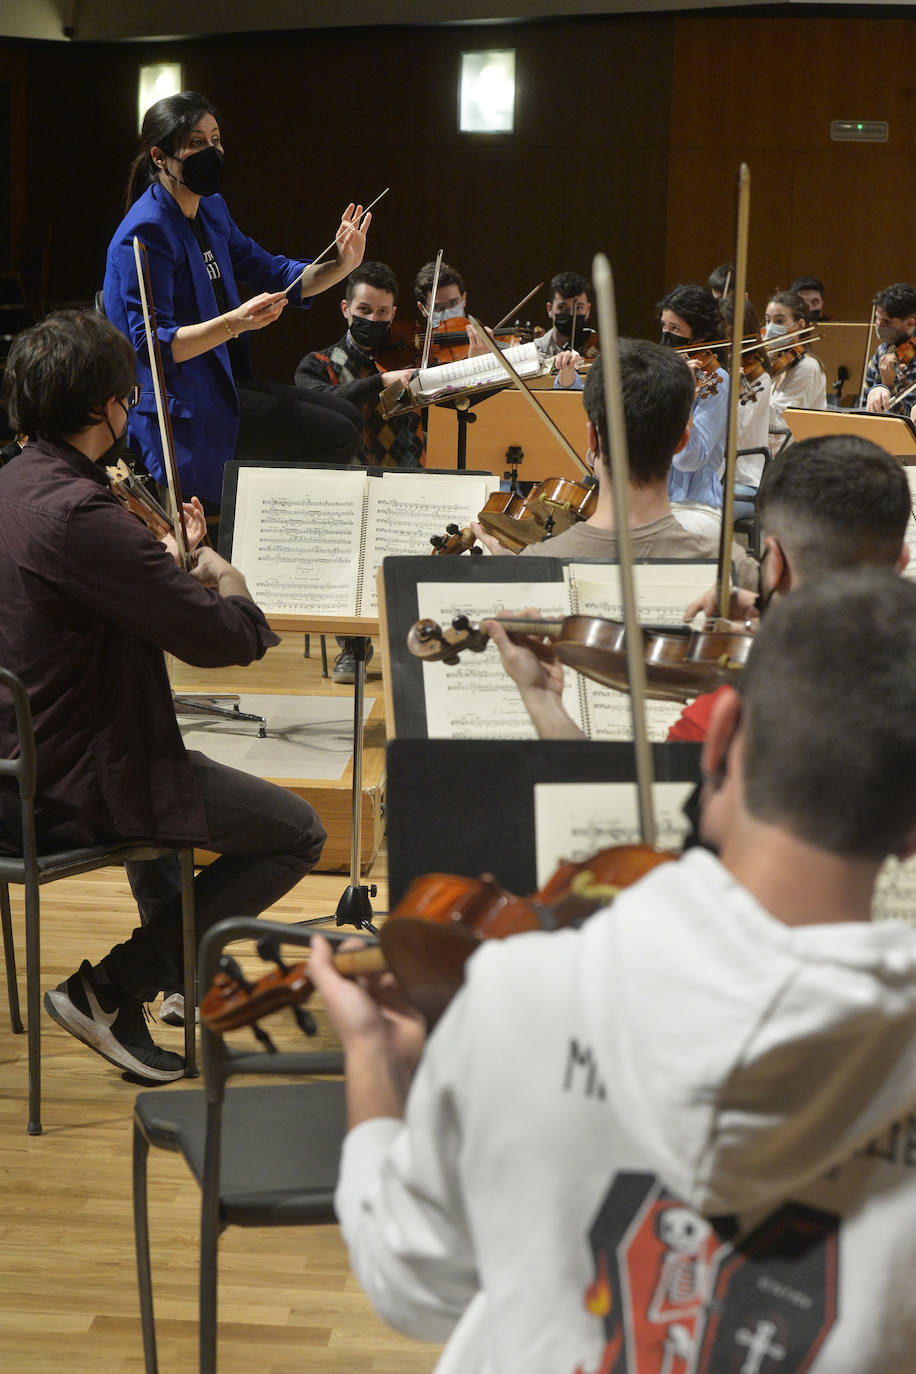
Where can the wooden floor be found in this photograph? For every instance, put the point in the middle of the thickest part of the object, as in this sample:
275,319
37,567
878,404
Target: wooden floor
68,1301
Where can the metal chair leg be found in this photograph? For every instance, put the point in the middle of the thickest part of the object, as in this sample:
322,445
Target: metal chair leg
141,1244
208,1315
189,940
33,1003
9,955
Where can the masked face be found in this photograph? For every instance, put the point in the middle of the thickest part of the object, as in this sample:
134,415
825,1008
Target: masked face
450,304
676,332
369,334
118,446
202,172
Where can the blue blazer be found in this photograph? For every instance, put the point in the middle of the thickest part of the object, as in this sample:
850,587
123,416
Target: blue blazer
202,397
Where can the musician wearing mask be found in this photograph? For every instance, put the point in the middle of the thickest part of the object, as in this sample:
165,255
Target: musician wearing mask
798,378
92,603
811,290
568,310
451,293
218,409
349,369
888,373
658,393
690,316
678,1137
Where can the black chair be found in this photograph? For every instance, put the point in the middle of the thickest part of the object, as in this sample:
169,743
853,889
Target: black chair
33,870
266,1155
749,525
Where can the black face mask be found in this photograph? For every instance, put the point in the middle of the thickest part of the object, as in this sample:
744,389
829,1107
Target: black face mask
370,334
563,324
670,340
813,316
202,172
118,448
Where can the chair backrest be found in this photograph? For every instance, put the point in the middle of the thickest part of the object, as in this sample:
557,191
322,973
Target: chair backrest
23,769
219,1061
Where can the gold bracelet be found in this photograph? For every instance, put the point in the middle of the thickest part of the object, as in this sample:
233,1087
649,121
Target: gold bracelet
229,330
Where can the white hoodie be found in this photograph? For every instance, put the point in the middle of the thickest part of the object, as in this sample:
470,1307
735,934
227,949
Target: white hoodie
679,1141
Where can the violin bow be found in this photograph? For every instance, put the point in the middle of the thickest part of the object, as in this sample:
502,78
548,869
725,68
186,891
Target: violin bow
603,282
527,392
868,334
427,338
723,590
169,464
516,308
333,244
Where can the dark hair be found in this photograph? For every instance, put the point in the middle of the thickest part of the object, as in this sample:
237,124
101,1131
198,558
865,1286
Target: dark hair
898,301
658,391
567,285
166,125
377,274
830,687
797,304
835,502
750,330
448,276
807,284
61,371
720,277
699,307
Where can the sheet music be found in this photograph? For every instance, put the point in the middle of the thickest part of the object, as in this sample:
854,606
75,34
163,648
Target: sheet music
297,538
476,699
523,357
895,893
575,820
910,535
406,509
663,590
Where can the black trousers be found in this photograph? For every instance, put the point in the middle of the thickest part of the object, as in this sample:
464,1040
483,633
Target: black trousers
267,839
284,424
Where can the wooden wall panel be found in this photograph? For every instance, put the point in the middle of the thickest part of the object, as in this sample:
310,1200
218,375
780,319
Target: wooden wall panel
834,210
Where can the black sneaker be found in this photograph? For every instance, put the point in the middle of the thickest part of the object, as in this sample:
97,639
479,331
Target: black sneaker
118,1034
344,669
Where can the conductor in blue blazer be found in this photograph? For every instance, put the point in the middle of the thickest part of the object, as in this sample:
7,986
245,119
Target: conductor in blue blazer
196,254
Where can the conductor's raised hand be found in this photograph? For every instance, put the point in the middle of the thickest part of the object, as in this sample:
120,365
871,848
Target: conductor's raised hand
351,236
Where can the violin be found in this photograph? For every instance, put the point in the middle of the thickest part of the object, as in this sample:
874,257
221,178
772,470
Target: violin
455,541
430,935
516,521
129,490
903,354
679,662
450,340
704,376
787,357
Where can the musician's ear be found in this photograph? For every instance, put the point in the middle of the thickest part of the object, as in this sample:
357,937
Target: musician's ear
591,434
343,308
683,441
903,559
723,726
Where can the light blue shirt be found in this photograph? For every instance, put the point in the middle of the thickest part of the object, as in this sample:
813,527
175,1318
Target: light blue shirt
695,470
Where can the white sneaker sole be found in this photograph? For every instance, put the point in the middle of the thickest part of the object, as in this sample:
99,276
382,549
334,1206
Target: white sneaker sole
102,1040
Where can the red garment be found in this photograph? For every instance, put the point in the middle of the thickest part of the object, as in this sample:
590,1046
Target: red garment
693,722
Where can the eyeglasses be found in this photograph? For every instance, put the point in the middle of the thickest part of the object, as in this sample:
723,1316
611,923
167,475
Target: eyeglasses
132,397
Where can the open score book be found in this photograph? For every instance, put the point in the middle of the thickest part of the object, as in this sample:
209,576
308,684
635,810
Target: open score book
310,540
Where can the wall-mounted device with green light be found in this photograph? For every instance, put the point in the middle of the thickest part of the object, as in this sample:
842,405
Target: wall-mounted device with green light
859,131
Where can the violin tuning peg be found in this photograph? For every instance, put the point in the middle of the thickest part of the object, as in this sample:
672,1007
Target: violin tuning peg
450,659
305,1021
475,548
231,969
437,541
461,623
264,1039
269,950
453,529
